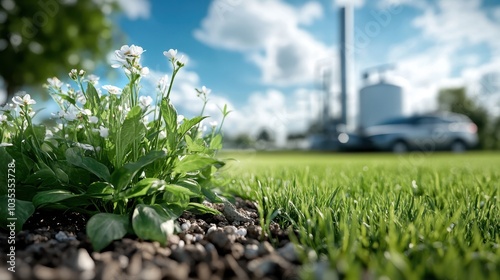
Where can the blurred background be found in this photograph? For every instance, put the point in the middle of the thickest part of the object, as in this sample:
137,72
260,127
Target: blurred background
325,74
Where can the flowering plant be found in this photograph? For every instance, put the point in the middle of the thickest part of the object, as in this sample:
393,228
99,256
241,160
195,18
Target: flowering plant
130,161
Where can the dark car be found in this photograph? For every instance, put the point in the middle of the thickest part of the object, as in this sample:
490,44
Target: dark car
430,132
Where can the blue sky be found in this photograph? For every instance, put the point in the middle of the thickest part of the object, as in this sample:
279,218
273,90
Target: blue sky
262,57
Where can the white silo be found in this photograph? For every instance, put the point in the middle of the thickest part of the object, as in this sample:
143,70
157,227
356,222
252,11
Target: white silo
380,100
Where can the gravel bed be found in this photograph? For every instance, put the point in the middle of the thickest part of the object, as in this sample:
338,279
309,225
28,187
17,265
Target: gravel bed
55,246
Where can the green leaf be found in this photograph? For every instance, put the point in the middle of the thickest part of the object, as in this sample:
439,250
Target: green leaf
216,142
38,131
142,188
51,197
72,101
132,130
103,228
61,175
198,208
92,98
100,189
5,159
42,175
123,176
188,124
211,195
169,115
193,162
21,212
173,210
151,222
190,184
180,190
87,163
195,146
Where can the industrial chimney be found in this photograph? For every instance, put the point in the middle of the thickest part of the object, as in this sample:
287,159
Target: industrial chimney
346,54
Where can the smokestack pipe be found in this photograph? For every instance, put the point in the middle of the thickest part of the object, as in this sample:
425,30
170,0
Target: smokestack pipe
346,48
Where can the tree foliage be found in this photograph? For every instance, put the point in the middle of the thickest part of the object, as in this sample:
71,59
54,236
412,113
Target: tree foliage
44,38
456,100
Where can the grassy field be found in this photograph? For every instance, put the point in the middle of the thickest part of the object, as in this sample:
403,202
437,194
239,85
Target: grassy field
381,216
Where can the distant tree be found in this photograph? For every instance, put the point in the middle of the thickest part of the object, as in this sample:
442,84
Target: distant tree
493,132
264,135
456,100
244,141
44,38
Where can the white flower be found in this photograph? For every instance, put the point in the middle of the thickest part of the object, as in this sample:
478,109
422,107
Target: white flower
3,118
125,54
162,135
69,116
48,133
144,71
81,73
81,98
72,74
87,112
132,51
163,84
25,100
55,82
5,144
145,101
103,132
93,79
85,146
93,119
213,124
170,54
9,107
205,90
112,89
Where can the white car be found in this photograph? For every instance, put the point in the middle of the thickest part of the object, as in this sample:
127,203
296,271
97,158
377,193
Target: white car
430,132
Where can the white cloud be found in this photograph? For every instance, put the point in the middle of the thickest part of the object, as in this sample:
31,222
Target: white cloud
271,35
310,12
135,9
276,112
271,109
459,22
451,27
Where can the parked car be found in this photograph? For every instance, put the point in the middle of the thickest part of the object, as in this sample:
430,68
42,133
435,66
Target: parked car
430,132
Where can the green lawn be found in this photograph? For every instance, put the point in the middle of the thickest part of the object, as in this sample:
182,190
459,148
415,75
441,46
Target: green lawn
432,216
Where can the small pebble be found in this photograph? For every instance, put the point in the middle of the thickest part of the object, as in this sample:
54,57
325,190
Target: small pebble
188,237
212,228
84,261
185,226
241,232
289,252
198,237
230,229
251,251
123,260
61,236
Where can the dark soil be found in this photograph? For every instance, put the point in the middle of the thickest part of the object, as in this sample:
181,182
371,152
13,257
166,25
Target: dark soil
55,246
